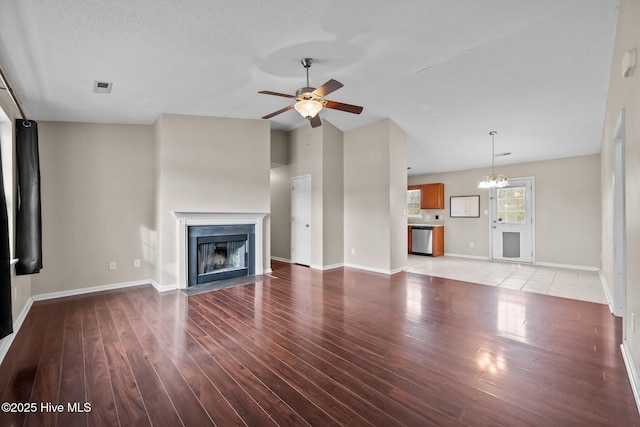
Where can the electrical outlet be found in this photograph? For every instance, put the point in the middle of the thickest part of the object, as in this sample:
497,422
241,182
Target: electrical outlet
353,251
112,265
136,263
486,212
470,244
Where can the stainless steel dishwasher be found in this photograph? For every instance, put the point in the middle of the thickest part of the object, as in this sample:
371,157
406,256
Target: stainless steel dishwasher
422,240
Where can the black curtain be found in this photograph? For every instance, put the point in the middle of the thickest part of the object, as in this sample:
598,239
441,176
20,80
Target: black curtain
6,318
29,218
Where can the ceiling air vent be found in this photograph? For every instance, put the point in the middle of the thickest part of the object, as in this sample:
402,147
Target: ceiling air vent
508,153
102,87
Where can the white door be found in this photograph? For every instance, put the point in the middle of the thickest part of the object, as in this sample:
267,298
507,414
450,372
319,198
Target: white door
301,220
512,221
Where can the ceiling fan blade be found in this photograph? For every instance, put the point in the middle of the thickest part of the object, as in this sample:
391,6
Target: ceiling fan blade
315,121
287,108
268,92
327,88
355,109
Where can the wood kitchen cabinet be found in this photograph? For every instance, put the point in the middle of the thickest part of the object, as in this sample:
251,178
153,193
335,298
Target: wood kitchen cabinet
431,195
438,241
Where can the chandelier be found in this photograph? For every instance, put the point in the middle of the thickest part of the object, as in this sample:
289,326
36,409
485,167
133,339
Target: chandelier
493,180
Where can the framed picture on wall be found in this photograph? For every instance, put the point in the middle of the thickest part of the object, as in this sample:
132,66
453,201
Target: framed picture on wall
464,206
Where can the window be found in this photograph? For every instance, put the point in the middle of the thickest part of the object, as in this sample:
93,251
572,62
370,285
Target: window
413,203
511,205
6,145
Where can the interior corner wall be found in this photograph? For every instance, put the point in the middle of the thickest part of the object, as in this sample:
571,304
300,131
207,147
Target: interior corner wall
97,204
570,209
624,93
370,186
279,148
398,197
281,213
209,164
332,195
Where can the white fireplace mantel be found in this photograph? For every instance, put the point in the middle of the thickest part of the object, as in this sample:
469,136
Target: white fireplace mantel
186,219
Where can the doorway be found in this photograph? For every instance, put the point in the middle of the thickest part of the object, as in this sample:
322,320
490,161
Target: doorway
512,221
301,220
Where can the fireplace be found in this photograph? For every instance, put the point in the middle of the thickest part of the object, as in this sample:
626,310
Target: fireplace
222,239
218,252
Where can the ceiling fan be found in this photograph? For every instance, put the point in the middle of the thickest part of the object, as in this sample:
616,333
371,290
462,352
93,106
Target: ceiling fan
310,100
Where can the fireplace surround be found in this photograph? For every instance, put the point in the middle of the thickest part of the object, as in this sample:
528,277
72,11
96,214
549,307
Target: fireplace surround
226,227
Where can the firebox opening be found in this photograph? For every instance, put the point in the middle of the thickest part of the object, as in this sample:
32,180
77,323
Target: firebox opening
216,254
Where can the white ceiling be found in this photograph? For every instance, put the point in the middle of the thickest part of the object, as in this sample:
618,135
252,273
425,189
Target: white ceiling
446,71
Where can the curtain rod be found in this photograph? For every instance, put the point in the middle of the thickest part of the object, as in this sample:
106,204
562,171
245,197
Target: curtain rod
9,90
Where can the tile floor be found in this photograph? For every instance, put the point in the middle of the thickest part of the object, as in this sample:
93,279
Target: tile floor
561,282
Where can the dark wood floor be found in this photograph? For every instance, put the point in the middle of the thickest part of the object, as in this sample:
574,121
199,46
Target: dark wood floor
343,347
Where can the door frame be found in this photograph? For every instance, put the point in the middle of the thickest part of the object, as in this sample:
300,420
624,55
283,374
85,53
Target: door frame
493,216
619,260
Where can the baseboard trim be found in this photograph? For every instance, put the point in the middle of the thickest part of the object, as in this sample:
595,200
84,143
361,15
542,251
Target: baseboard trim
275,258
327,267
631,372
17,324
569,266
164,288
483,258
605,288
375,270
81,291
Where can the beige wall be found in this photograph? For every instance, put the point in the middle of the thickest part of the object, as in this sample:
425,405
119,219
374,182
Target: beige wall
279,148
567,210
97,204
281,213
398,196
209,165
332,195
624,93
372,187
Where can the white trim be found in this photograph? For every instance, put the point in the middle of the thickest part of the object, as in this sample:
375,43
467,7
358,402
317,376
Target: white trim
634,379
327,267
605,287
573,267
164,288
81,291
275,258
375,270
482,258
5,345
185,219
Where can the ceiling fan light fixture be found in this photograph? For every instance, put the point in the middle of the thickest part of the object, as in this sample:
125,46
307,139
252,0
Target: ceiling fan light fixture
308,107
